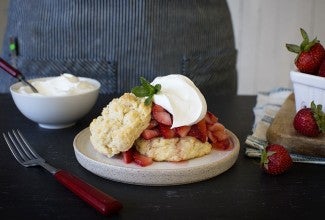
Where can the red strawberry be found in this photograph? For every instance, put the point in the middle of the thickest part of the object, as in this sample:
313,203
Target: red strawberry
141,160
201,125
161,115
198,131
275,159
310,54
150,133
210,118
321,71
183,130
166,131
310,121
153,123
217,134
216,127
219,139
128,156
222,145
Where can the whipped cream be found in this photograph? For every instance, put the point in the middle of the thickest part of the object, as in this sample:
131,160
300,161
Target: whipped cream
180,97
64,85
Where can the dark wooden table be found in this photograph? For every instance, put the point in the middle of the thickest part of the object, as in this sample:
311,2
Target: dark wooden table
242,192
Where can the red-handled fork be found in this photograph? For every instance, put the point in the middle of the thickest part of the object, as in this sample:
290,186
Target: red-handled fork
27,157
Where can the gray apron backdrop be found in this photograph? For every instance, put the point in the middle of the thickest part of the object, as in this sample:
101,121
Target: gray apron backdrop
117,41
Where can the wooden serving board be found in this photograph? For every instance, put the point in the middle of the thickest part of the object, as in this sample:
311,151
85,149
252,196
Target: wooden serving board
281,131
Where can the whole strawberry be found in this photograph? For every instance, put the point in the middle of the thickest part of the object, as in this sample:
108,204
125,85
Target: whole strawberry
310,54
275,159
321,71
310,121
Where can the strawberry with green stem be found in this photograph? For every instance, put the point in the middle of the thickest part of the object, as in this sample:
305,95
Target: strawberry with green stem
310,121
310,54
275,159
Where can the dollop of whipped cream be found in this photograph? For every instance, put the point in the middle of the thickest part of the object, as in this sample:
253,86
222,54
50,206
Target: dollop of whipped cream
63,85
180,97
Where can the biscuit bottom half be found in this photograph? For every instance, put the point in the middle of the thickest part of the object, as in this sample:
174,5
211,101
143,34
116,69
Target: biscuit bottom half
173,149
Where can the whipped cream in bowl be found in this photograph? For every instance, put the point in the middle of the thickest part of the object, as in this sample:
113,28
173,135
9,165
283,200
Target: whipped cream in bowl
64,85
60,102
181,98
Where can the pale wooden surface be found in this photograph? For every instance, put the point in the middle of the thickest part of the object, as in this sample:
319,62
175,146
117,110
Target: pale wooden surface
282,132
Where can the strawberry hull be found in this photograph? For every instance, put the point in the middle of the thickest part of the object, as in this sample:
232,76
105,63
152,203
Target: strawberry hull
308,88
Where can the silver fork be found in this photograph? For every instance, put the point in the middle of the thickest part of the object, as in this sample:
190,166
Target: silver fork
28,157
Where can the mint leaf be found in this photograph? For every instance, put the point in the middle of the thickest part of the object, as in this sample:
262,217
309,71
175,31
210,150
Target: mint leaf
148,100
146,90
140,91
158,88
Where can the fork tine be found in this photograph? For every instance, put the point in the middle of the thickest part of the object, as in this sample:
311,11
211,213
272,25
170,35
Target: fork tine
25,143
13,148
20,148
24,153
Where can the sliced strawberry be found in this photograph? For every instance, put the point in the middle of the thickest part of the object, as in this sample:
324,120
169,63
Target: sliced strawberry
203,129
195,132
216,127
150,133
161,115
153,123
212,137
166,131
221,135
128,156
141,160
217,135
183,130
210,118
222,145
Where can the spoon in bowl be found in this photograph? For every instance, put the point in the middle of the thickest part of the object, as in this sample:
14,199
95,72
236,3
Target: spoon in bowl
15,73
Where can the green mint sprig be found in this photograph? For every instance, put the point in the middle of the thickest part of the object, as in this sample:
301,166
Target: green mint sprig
146,90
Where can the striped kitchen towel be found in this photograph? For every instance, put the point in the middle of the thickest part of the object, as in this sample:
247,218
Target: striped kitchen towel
267,106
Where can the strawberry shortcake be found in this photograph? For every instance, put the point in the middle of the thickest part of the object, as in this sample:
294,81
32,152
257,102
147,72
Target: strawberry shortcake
165,120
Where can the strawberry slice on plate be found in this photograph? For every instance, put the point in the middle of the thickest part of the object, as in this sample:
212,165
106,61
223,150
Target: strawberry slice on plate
222,145
166,131
150,133
128,156
141,160
199,131
183,130
153,123
210,118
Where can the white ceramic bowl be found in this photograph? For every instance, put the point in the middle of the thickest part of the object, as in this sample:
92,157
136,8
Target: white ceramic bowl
308,88
55,112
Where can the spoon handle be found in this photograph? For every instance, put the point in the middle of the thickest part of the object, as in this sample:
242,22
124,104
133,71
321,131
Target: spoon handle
9,69
15,73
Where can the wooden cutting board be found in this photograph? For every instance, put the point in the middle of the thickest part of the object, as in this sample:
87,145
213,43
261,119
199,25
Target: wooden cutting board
281,131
